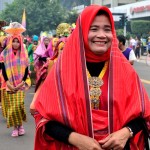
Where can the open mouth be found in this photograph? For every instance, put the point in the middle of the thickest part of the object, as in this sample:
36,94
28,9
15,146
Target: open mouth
104,42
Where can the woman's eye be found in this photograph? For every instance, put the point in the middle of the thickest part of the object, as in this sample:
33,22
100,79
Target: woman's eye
93,29
108,29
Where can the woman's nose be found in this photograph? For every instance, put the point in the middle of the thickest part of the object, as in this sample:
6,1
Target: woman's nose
101,34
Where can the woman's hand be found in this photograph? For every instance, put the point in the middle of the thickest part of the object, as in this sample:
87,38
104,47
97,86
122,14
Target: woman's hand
10,86
116,140
19,85
83,142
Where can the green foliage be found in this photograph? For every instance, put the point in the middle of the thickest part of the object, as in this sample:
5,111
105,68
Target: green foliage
140,27
42,15
121,32
72,3
72,17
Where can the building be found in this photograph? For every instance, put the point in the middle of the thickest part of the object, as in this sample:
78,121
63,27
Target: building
114,3
3,3
134,11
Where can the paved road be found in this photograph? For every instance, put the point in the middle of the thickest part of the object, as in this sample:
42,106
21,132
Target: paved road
26,142
144,72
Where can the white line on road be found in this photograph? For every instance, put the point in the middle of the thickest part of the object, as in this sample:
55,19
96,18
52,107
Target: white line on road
145,81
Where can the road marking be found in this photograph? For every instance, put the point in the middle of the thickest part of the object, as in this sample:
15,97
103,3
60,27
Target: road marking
145,81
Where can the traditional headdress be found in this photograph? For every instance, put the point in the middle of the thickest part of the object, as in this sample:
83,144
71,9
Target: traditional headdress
14,28
63,29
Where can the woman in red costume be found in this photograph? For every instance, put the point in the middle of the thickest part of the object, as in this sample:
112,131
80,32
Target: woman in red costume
92,99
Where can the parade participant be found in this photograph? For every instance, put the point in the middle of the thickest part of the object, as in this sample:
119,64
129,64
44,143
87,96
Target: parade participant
137,48
132,43
50,50
50,61
127,52
26,42
39,57
32,47
58,48
15,72
87,101
53,51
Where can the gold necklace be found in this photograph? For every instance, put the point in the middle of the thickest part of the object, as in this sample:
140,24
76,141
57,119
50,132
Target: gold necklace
95,83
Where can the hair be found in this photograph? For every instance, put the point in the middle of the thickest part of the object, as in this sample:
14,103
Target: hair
102,12
122,39
15,38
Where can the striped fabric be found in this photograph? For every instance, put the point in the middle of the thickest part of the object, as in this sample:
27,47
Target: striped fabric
15,64
4,103
15,109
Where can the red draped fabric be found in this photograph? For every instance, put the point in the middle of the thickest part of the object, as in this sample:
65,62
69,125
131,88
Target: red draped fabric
64,95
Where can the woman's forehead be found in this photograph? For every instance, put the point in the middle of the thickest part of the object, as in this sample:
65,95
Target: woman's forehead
15,39
101,20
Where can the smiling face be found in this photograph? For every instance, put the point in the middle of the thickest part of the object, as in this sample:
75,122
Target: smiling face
15,44
100,35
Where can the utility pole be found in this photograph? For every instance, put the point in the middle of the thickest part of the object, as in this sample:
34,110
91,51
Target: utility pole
111,5
125,24
125,30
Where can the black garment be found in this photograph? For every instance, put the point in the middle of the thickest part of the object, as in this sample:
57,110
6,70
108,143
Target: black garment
137,49
4,72
25,74
95,68
58,131
42,59
61,133
0,65
5,75
137,125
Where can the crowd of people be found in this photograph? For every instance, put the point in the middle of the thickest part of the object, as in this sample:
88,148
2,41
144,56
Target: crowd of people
87,94
21,60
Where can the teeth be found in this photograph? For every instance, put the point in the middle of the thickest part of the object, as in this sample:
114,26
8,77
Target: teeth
100,42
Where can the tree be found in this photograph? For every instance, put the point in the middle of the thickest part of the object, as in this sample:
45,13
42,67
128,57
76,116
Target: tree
121,32
42,15
140,27
72,3
71,17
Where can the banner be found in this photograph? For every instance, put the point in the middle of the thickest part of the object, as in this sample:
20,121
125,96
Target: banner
24,19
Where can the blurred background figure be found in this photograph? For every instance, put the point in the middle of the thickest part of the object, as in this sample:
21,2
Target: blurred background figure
32,47
127,51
